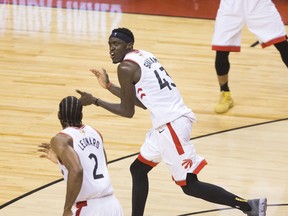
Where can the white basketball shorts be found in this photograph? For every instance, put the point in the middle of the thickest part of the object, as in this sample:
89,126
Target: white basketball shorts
260,16
171,143
104,206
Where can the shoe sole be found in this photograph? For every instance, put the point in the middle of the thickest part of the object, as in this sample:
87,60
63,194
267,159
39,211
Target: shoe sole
224,111
262,206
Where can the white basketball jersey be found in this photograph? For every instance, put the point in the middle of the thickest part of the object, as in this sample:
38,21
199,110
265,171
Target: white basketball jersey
89,146
156,90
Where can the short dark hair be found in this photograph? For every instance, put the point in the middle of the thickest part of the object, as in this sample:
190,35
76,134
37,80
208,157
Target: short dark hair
70,111
128,35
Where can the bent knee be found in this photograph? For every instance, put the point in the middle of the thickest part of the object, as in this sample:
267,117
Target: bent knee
137,167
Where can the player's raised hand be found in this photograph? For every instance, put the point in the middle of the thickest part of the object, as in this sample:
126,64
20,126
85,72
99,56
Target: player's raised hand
102,77
86,98
47,152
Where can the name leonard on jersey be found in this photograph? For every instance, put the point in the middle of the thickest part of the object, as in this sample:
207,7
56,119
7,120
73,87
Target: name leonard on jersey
88,141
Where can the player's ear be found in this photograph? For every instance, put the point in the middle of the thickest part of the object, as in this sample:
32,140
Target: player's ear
59,116
130,46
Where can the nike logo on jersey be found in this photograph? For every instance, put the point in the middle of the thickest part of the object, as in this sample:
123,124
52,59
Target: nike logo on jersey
160,131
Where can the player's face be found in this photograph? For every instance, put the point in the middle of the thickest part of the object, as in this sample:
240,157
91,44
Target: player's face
117,49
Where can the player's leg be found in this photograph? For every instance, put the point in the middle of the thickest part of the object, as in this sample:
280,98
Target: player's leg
181,169
148,158
184,165
222,66
226,38
270,30
140,186
216,194
282,47
213,193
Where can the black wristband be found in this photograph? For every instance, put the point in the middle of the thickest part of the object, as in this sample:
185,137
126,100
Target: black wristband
96,102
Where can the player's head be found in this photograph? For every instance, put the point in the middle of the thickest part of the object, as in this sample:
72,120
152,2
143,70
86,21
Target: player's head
70,112
121,42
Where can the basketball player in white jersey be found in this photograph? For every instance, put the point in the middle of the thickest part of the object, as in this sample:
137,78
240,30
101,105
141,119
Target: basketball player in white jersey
80,153
262,19
145,83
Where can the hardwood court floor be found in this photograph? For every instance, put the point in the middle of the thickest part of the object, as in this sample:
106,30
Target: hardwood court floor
46,54
246,161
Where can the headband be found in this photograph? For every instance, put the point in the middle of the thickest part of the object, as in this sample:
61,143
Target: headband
122,36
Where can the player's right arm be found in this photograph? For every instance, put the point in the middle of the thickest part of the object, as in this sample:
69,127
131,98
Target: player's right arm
62,146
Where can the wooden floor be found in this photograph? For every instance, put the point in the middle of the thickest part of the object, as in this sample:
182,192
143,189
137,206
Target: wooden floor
46,54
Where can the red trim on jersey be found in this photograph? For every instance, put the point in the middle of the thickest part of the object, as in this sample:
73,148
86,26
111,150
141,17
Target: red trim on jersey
62,133
79,206
99,134
274,41
142,94
176,140
143,160
226,48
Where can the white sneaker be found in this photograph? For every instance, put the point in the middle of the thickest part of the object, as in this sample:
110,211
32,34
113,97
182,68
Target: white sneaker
258,207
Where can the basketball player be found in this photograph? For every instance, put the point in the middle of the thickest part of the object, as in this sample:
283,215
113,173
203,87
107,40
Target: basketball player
144,82
262,19
82,159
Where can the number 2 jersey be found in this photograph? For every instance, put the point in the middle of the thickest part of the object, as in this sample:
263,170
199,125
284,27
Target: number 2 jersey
157,91
88,145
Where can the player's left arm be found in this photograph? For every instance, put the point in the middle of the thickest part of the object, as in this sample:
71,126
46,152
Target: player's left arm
129,74
126,108
47,152
103,79
62,146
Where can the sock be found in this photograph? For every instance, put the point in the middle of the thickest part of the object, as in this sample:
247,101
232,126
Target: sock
224,87
242,204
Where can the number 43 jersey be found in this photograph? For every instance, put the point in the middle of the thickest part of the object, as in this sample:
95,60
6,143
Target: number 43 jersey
88,145
157,91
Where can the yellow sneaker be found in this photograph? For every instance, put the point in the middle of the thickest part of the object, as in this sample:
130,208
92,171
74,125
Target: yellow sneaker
225,102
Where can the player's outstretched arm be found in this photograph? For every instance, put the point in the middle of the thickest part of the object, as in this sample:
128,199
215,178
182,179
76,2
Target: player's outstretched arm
86,98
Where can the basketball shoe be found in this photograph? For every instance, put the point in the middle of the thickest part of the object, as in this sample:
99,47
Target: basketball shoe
258,206
225,102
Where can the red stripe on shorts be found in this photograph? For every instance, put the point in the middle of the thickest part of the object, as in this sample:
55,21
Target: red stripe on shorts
175,138
274,41
143,160
79,206
226,48
200,167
